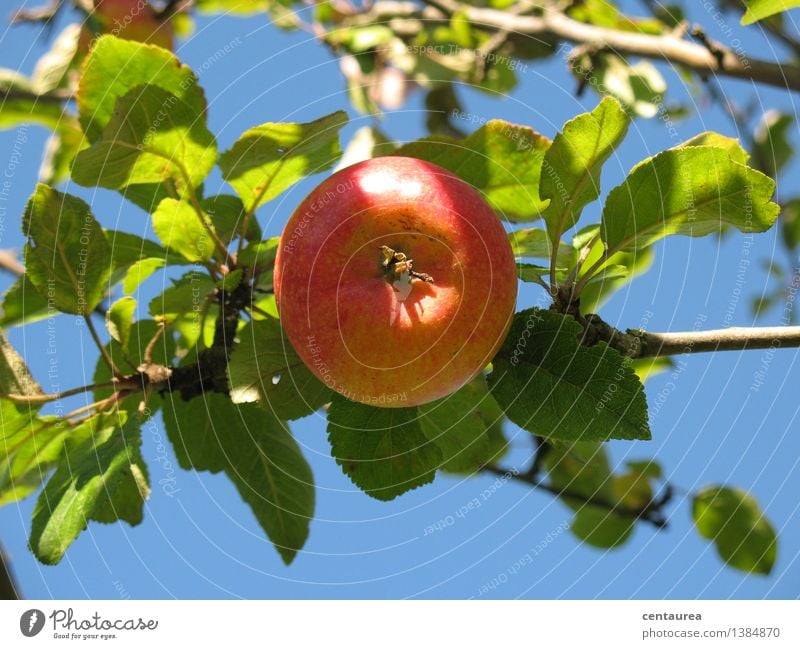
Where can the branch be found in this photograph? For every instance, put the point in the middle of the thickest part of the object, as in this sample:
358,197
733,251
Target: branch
642,344
650,513
672,48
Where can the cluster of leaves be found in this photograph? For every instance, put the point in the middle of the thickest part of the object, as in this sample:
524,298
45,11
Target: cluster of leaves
210,350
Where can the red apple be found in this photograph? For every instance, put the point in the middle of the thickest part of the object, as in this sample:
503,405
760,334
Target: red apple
366,324
134,20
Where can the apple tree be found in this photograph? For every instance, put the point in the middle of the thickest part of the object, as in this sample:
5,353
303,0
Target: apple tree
209,354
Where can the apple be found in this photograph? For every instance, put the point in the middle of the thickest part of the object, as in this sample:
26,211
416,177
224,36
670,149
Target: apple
134,20
395,282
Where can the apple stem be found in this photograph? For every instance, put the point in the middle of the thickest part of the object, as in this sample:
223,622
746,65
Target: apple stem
395,263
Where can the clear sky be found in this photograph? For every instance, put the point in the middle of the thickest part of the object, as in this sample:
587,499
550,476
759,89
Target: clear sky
713,427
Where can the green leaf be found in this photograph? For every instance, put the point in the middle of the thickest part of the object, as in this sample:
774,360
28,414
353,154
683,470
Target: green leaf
760,9
92,481
772,147
732,519
227,214
730,145
119,320
60,150
67,256
115,66
367,142
461,424
180,229
258,454
638,87
647,368
572,165
552,386
384,451
139,272
15,377
23,304
29,449
151,137
260,254
691,191
601,528
265,367
502,160
583,469
790,219
189,306
268,159
618,270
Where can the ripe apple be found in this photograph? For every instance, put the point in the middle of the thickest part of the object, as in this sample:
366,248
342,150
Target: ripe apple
134,20
395,282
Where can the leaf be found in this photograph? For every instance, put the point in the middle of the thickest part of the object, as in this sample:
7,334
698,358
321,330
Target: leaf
260,254
384,451
23,304
139,272
189,306
691,191
29,448
264,366
553,387
760,9
732,519
647,368
367,142
53,68
15,377
730,145
638,87
60,150
618,270
91,482
459,426
115,66
600,527
119,319
772,147
572,165
257,453
583,469
151,137
268,159
502,160
227,214
67,257
182,231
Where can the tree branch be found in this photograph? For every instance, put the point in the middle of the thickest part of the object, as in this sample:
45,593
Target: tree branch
642,344
669,47
650,513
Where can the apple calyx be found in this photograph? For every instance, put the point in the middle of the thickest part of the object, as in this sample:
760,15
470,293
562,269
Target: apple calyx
397,266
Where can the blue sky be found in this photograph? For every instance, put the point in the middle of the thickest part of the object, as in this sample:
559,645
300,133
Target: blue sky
713,427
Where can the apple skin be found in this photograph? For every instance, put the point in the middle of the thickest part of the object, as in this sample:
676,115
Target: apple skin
341,310
133,20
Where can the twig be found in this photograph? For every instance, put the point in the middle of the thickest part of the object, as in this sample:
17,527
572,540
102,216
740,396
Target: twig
47,398
650,513
669,47
103,351
642,344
